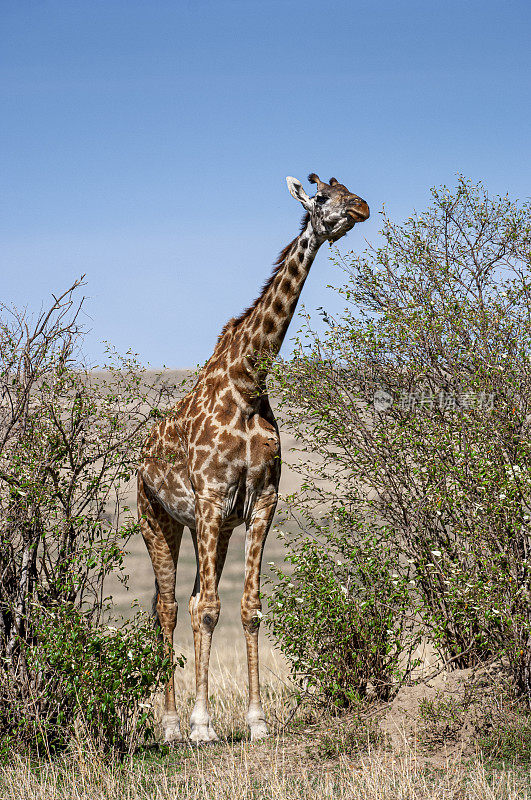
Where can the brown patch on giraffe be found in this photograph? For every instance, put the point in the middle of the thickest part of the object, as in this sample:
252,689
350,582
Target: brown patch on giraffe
293,268
233,446
256,342
268,324
216,463
235,373
229,441
234,350
285,286
200,418
225,414
207,432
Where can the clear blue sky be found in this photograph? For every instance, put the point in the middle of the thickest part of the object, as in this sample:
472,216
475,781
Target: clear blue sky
146,143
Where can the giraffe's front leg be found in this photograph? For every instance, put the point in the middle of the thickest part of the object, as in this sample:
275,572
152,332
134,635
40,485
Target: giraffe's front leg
204,610
258,528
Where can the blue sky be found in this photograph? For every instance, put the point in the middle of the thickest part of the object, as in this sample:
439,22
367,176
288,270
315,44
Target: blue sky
146,143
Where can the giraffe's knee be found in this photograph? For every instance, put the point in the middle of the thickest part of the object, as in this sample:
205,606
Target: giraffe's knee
207,614
251,613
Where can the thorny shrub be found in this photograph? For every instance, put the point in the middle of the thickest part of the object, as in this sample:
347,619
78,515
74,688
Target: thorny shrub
339,615
69,443
417,402
101,679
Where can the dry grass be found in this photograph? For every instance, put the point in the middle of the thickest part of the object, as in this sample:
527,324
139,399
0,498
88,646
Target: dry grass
235,772
292,763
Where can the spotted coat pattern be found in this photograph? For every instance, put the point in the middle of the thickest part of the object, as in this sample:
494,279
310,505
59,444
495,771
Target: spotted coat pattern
213,462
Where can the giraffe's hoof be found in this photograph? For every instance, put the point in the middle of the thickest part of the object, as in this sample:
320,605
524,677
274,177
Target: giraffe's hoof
203,734
258,731
256,722
172,731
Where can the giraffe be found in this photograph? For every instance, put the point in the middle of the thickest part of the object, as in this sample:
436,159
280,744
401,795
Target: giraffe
213,462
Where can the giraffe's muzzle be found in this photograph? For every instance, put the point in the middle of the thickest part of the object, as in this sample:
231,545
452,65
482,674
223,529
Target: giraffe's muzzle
359,212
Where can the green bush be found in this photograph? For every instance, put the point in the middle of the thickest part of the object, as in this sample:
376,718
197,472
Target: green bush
91,681
417,401
69,444
340,616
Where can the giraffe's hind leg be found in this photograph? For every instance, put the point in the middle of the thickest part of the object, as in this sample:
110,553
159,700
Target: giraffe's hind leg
257,530
162,535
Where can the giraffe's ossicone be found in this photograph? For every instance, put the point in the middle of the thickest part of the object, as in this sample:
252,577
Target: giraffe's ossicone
213,463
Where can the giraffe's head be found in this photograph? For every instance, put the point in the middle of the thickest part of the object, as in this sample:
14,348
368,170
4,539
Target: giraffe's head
333,210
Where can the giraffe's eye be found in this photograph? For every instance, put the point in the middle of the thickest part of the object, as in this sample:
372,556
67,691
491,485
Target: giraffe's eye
321,199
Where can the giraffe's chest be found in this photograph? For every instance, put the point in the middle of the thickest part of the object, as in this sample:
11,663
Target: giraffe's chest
234,456
235,453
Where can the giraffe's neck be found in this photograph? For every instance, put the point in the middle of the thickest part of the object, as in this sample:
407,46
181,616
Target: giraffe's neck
259,335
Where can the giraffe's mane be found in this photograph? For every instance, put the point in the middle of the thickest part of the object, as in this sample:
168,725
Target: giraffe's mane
277,266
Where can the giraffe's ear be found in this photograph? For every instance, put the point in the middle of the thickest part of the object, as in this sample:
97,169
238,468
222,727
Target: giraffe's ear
296,190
